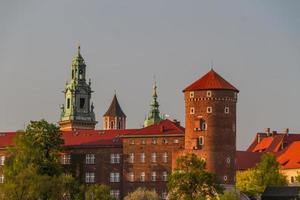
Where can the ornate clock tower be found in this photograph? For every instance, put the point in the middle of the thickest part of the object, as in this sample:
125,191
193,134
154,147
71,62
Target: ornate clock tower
78,111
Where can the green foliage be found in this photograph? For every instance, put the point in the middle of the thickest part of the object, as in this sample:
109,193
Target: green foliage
265,173
229,195
190,181
142,194
97,192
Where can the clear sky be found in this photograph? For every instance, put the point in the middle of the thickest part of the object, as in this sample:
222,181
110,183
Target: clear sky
254,44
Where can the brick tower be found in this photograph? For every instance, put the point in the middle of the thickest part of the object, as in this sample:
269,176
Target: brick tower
114,118
210,120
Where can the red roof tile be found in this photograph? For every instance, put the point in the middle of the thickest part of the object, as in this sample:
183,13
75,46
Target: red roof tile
213,81
263,144
290,157
165,127
6,139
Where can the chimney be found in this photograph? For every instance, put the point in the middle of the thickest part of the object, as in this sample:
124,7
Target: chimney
286,131
176,122
267,131
274,133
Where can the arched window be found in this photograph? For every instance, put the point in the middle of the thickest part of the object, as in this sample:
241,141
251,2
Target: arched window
203,125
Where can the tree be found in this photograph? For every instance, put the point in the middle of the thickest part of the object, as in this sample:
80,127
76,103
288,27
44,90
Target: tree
142,194
33,170
265,173
229,195
97,192
190,181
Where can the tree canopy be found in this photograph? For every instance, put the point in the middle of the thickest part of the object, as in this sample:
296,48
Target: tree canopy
142,194
190,181
265,173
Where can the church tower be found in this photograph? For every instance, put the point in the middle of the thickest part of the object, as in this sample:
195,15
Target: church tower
78,112
114,118
210,120
154,114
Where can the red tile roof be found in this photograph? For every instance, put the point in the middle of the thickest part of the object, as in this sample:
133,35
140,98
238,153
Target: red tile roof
210,81
164,127
290,157
6,139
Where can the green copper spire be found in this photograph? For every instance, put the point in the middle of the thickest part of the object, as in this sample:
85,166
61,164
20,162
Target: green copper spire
78,106
154,114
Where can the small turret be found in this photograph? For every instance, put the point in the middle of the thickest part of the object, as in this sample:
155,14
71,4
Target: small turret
114,118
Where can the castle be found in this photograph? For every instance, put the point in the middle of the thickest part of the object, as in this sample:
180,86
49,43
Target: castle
126,159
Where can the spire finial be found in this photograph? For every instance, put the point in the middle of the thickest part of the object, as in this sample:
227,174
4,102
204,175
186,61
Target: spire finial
212,64
154,87
115,91
78,48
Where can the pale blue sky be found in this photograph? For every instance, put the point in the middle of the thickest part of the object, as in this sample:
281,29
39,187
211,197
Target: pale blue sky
254,44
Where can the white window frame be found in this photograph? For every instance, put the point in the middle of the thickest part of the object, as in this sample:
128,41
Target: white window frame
115,194
1,178
154,141
66,159
143,157
192,94
90,159
131,141
225,178
131,177
142,177
164,194
209,109
90,177
153,157
228,160
192,110
153,176
175,141
115,158
131,157
143,141
201,138
208,93
2,160
226,110
114,177
165,176
165,157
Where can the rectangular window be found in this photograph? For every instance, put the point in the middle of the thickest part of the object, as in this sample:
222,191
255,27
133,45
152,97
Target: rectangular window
131,176
164,195
131,157
165,157
226,110
153,157
201,141
143,156
165,141
66,159
82,101
90,159
164,176
1,178
89,177
192,94
142,177
143,141
153,176
114,158
115,194
131,141
2,160
208,93
114,177
176,141
192,110
154,141
68,103
209,109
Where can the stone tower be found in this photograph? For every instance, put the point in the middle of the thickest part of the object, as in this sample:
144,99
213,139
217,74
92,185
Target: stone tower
78,111
114,118
210,120
154,114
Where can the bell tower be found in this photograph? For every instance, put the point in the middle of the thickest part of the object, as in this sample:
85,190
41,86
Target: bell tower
210,120
78,111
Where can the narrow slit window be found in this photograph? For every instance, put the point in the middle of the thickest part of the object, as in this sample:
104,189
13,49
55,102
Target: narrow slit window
82,102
